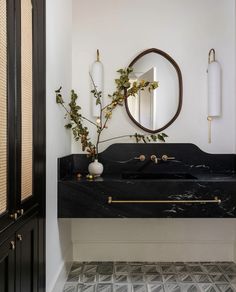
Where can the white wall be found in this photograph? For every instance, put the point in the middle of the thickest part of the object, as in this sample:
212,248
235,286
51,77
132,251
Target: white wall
185,29
58,25
235,122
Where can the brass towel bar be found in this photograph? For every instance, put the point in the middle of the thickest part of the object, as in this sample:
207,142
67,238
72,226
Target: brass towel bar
111,201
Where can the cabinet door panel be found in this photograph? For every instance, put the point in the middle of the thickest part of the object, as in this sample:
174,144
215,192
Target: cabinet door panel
26,257
3,106
26,99
7,266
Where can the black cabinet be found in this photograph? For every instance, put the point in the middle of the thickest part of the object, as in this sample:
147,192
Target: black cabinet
22,145
7,265
19,259
26,254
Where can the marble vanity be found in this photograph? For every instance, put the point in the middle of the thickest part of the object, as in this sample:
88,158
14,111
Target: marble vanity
193,184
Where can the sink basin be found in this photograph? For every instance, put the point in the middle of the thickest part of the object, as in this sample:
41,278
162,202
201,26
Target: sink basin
145,175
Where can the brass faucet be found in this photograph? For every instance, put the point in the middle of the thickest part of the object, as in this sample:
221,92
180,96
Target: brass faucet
154,158
140,157
164,158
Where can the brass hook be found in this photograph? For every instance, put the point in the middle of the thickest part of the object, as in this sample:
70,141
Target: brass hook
212,53
98,56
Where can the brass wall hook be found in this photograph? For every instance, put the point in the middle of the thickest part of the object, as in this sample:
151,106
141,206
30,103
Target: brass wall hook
98,55
211,56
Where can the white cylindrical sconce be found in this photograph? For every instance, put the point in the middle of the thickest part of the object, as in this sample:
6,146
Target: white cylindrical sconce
97,83
214,90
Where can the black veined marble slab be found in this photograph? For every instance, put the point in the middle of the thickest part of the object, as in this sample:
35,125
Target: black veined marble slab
208,181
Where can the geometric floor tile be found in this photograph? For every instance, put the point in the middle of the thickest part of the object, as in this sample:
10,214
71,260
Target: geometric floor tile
190,288
122,288
150,269
170,268
231,278
233,286
139,288
155,288
73,277
88,288
172,288
121,278
90,269
212,269
105,269
136,269
121,269
70,288
207,287
79,288
137,278
181,269
218,278
230,268
193,268
170,278
89,278
104,288
185,278
201,278
224,287
105,278
151,277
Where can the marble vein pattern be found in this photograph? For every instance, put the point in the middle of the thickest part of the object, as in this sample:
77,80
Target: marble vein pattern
151,277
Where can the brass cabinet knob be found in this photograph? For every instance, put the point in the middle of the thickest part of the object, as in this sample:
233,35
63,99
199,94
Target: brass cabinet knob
13,216
20,212
12,245
19,237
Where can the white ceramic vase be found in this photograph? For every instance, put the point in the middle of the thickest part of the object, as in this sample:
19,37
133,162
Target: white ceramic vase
95,168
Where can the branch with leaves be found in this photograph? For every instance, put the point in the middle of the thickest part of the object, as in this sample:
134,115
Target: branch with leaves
124,89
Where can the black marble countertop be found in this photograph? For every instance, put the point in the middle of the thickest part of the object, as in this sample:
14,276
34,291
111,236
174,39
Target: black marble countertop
210,176
207,177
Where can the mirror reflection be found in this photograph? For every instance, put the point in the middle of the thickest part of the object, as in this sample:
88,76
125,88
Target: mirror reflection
153,111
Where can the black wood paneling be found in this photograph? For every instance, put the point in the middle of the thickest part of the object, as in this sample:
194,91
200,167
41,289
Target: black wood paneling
27,257
7,265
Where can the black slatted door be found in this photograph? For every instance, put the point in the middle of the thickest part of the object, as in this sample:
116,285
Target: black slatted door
27,257
7,265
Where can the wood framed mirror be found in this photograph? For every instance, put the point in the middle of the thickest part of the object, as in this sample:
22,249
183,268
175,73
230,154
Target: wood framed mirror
156,110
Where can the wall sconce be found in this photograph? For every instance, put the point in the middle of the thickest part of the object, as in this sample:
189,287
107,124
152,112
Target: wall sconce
97,81
214,90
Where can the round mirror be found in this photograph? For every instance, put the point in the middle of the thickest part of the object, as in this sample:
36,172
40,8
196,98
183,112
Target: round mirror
155,110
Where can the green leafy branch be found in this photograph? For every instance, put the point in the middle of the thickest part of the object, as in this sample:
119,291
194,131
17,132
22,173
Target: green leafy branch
124,89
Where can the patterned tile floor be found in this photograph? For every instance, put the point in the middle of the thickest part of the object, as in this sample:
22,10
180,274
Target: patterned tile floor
151,277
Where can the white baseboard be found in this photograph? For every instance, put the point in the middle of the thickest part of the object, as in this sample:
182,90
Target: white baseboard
58,287
58,282
154,251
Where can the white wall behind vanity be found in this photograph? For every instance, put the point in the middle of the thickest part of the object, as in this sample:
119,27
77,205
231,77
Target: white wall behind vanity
185,29
58,233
